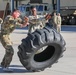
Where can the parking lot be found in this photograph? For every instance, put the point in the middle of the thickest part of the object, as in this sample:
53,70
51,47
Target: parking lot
66,64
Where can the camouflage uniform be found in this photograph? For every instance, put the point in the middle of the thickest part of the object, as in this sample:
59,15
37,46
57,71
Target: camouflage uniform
7,27
36,22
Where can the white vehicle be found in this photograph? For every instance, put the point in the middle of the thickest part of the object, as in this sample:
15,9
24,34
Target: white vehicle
42,8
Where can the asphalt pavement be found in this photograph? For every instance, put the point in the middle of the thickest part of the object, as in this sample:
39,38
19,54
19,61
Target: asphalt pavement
65,66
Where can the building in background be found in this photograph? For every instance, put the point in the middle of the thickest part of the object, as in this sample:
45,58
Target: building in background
67,8
6,4
68,11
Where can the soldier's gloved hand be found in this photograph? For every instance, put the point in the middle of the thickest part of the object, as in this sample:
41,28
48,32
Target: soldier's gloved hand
26,19
48,16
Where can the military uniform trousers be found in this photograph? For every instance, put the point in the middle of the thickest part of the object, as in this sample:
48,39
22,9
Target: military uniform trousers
9,51
59,28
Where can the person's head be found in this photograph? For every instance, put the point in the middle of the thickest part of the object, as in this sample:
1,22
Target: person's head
16,13
58,14
33,10
54,13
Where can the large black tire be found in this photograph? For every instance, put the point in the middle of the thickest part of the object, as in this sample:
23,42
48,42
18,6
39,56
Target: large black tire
29,47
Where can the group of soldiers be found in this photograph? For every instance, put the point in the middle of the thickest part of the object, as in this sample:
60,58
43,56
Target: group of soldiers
56,20
33,21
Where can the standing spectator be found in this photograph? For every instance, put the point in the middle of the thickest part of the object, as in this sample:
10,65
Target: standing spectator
58,22
54,20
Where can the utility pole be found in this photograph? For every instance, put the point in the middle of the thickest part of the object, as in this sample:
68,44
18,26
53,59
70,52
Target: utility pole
58,6
12,5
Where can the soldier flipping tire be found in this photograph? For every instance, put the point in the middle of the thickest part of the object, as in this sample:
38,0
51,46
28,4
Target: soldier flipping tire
46,37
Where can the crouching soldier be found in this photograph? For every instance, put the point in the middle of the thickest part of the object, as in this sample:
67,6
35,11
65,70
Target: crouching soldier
7,27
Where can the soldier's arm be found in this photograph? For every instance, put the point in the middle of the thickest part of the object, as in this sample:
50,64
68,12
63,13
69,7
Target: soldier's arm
45,18
18,22
21,22
1,21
